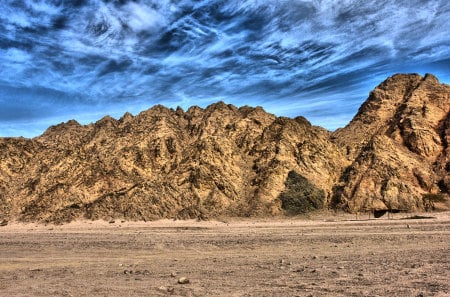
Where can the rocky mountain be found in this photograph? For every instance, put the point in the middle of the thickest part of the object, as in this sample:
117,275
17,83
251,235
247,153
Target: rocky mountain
221,160
229,161
398,144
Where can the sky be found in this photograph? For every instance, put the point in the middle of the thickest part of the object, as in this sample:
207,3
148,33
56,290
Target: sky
84,59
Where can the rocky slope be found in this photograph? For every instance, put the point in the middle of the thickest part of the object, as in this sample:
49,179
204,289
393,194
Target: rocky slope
221,160
224,160
398,144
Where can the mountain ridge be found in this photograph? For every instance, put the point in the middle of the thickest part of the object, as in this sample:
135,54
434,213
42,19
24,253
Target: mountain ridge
228,161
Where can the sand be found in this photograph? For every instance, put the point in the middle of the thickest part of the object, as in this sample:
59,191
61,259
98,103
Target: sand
323,255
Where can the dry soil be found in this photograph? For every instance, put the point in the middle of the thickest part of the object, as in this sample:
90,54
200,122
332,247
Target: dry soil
326,255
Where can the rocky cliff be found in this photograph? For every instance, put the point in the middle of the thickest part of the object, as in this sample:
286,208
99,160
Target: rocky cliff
398,146
221,160
224,160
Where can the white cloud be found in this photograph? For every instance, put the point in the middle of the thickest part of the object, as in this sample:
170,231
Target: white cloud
15,55
15,63
19,18
42,6
140,17
165,51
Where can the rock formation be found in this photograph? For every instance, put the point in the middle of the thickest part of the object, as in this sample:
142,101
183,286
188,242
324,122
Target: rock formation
221,160
398,145
224,160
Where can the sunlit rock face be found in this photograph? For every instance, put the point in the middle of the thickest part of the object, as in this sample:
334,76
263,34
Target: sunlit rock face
86,58
229,161
398,145
165,163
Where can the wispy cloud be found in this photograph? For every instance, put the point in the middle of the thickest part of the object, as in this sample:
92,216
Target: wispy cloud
298,57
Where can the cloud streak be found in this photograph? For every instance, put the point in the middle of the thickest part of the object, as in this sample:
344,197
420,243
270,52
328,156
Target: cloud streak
313,58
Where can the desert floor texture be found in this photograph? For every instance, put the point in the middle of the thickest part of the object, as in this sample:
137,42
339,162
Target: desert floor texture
324,255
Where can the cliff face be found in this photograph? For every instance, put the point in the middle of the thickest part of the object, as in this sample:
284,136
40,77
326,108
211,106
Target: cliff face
398,145
223,160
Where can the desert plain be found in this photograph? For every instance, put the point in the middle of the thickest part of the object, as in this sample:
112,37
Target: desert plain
326,254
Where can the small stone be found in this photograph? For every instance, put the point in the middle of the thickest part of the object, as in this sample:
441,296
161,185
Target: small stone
112,221
314,257
183,280
163,289
3,223
173,274
341,267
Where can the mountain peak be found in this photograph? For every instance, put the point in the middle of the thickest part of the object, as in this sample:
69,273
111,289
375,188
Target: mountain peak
431,77
106,121
127,117
396,139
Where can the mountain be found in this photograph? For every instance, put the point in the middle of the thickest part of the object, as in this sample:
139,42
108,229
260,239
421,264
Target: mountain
229,161
398,144
221,160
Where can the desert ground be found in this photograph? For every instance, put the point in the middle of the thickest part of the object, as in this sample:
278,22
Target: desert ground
322,255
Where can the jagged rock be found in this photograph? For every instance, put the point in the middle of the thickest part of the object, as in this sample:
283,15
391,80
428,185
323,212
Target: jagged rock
224,160
165,163
398,145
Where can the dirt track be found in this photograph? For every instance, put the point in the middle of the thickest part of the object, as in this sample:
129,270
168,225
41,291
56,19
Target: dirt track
332,256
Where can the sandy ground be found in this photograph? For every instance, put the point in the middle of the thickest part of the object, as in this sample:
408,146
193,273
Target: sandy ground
326,255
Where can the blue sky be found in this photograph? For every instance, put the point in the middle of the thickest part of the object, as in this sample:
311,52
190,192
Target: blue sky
84,59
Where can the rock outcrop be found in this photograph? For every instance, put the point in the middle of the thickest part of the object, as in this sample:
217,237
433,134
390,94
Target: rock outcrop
224,160
221,160
398,145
